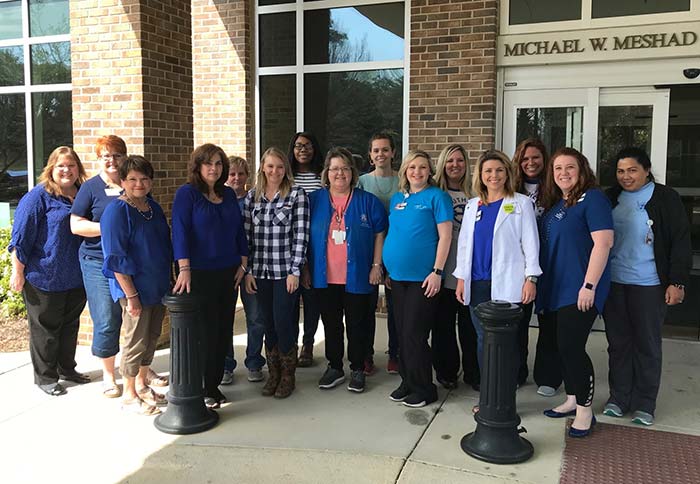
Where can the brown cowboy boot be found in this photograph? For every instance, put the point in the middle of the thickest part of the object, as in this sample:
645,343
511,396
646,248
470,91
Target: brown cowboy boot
274,370
289,367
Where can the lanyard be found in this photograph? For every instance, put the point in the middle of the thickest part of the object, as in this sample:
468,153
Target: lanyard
339,214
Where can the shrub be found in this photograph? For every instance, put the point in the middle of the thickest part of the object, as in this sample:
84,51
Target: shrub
11,303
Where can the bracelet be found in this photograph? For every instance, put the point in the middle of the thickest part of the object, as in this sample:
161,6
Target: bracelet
136,294
184,269
377,265
679,286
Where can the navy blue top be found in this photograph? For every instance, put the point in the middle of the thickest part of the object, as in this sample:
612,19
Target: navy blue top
565,250
483,240
136,247
92,199
364,218
43,242
210,235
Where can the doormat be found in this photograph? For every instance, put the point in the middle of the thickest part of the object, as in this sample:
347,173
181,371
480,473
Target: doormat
631,455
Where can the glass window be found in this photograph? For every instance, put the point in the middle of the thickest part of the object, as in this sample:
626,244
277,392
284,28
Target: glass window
50,63
354,34
48,17
53,125
13,149
619,127
278,111
277,40
11,66
532,12
10,20
621,8
274,2
556,127
345,108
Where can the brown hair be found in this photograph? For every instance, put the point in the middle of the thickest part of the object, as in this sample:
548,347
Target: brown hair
135,163
520,154
478,186
46,177
261,179
404,185
110,143
239,162
551,193
441,176
344,155
201,155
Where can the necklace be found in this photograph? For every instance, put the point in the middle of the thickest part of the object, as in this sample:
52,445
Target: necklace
147,214
337,211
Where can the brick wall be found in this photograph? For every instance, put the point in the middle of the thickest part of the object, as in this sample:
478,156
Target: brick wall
453,75
223,75
132,76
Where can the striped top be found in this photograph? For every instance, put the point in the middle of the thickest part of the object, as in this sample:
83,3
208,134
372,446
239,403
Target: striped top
309,181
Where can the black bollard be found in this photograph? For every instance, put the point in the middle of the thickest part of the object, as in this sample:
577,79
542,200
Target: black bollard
496,438
186,412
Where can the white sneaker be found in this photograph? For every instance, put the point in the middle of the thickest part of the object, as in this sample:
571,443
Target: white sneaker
227,379
546,391
255,375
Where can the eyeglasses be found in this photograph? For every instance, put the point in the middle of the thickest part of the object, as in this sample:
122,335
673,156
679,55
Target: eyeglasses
303,146
336,169
115,156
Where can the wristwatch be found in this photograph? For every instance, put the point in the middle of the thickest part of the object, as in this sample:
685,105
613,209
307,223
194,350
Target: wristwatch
588,286
532,279
437,271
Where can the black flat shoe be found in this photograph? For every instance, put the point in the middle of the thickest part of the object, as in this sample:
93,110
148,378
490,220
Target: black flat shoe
580,433
75,377
53,389
551,413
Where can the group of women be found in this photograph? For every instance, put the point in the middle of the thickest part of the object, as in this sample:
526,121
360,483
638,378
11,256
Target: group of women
531,231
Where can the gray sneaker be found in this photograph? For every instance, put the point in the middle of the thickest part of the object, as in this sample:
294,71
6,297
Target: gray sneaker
357,381
613,410
643,418
546,391
255,375
227,379
331,378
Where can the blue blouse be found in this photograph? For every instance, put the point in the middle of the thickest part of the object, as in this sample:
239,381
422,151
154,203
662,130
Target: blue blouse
136,247
484,226
43,242
90,202
210,235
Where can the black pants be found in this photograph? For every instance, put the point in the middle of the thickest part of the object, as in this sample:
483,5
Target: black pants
335,303
54,320
216,298
415,316
390,324
548,365
633,319
446,359
311,313
573,328
523,337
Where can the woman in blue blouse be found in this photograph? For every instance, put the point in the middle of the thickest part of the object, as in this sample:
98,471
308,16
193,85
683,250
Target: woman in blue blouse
137,261
420,213
45,268
576,234
345,255
650,266
212,253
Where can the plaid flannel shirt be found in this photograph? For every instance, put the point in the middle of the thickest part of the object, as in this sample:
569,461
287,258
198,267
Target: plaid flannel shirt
278,233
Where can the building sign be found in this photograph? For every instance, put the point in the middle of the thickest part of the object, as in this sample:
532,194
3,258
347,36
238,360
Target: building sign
601,44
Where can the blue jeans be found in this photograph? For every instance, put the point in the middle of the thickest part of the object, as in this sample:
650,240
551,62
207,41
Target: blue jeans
480,292
276,307
106,314
256,331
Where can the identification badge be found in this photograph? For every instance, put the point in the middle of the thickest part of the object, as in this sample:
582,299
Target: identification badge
508,208
113,192
400,206
478,215
338,237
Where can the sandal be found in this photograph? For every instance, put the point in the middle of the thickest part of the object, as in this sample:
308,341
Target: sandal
139,407
151,397
111,389
212,403
53,389
475,409
155,380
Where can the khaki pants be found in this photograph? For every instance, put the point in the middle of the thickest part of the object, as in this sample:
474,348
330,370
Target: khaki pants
140,337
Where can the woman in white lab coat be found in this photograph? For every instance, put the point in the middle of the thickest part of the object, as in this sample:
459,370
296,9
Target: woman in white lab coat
498,248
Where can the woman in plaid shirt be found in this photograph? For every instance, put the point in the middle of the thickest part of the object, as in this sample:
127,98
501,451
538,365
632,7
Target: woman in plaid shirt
276,214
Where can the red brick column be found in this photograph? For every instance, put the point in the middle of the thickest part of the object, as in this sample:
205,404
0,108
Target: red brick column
453,75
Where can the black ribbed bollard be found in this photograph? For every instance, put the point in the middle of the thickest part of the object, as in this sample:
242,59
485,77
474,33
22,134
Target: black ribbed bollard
186,412
496,438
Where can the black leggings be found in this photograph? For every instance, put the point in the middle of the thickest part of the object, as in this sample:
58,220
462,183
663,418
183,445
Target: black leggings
573,328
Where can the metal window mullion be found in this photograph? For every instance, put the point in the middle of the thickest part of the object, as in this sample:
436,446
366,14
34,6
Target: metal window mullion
256,95
28,111
406,75
300,64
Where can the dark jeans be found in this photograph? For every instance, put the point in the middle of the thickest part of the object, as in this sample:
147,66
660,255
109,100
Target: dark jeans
633,319
573,328
277,308
335,303
255,328
390,324
548,366
54,319
415,317
446,359
311,313
480,292
215,293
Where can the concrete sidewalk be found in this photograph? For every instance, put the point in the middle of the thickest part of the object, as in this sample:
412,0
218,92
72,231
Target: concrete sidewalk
314,436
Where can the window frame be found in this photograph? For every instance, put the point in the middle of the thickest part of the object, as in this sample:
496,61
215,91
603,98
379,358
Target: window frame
299,69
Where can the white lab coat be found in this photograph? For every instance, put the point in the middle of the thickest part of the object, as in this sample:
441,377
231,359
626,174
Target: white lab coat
516,248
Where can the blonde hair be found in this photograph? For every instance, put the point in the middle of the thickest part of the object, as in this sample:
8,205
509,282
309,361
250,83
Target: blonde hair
478,186
46,177
238,162
261,179
347,158
441,176
404,185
